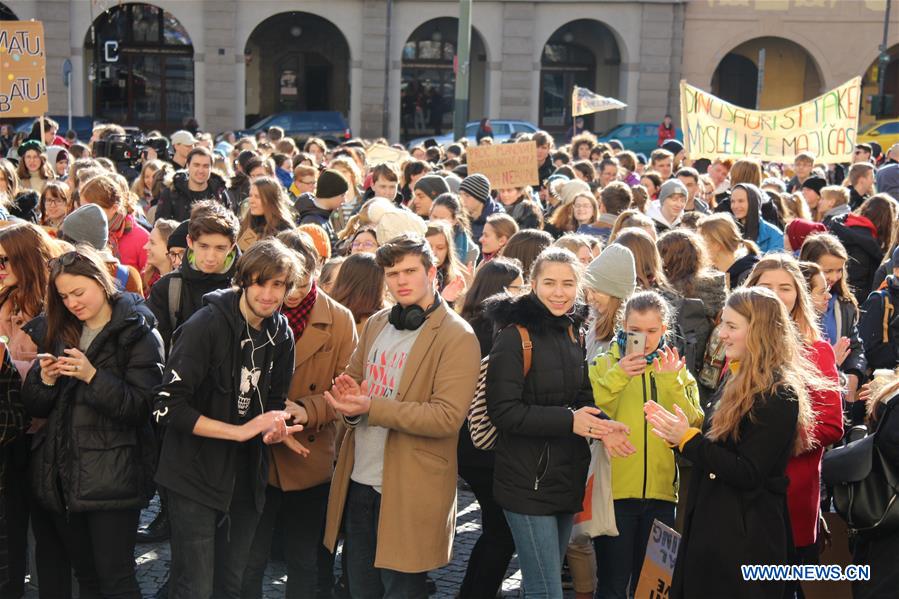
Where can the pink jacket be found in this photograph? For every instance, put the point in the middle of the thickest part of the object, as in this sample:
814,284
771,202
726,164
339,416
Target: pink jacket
22,349
131,244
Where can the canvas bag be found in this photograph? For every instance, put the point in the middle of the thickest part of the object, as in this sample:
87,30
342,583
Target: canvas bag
597,519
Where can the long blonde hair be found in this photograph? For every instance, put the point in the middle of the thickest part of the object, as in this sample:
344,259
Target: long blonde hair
803,313
774,360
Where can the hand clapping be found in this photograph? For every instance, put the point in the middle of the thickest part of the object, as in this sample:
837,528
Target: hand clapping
348,398
668,426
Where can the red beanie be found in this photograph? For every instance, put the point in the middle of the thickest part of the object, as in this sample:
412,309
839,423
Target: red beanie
799,229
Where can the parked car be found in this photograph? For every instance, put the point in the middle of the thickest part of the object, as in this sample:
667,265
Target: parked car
637,137
327,125
83,125
886,133
502,130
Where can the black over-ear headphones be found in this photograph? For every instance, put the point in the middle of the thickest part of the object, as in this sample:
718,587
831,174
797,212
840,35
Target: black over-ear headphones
410,318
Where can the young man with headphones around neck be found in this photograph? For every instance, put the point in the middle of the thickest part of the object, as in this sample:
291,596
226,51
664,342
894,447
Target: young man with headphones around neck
404,396
222,398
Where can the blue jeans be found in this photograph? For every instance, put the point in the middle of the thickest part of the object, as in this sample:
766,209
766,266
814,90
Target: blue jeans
541,542
360,523
620,559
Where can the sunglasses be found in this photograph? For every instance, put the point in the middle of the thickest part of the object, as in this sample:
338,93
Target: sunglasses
67,259
4,261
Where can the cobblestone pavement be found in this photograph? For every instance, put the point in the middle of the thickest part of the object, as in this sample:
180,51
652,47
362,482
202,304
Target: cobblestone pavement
153,560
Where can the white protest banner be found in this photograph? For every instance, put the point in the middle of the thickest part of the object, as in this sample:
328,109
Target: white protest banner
505,165
23,69
380,153
583,101
826,126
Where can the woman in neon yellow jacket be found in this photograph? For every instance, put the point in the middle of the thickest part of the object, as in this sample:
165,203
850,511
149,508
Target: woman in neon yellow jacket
644,484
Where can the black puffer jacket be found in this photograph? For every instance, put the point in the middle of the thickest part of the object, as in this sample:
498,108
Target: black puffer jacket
541,465
98,442
176,201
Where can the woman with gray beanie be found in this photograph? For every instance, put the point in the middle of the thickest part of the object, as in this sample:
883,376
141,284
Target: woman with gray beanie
609,281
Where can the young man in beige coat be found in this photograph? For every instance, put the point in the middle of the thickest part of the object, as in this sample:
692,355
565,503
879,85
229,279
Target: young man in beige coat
404,396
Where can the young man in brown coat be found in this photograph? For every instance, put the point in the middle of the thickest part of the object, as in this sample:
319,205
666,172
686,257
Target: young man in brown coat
404,396
297,492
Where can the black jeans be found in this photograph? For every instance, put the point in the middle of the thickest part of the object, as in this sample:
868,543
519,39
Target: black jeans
360,522
98,545
620,559
210,549
17,501
493,550
303,517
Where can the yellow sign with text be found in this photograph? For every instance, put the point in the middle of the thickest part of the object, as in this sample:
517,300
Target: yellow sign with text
23,69
825,126
505,165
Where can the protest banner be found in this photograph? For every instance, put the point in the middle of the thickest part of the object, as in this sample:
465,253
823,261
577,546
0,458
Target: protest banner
583,101
23,69
505,165
380,153
826,126
658,565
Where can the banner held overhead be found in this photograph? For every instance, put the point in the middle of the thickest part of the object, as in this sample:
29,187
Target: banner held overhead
826,126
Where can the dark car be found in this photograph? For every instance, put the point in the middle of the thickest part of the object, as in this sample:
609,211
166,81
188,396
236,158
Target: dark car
83,126
329,126
637,137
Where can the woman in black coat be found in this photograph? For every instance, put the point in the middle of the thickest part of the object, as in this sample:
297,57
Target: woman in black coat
93,461
736,511
544,417
866,234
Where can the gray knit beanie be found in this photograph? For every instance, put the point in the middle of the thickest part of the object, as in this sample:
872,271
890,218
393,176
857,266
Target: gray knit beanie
432,185
671,187
88,225
613,272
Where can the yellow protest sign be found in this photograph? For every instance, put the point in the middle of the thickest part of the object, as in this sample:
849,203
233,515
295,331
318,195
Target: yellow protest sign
826,126
23,69
505,165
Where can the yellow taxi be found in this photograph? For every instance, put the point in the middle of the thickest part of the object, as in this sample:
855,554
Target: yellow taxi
886,133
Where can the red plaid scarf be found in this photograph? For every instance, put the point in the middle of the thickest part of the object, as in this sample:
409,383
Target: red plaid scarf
298,317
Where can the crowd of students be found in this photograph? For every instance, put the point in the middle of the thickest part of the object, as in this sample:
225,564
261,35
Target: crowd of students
284,345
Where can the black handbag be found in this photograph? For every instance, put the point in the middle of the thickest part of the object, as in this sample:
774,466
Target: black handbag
865,484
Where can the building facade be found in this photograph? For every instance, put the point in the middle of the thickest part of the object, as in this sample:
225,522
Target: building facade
389,65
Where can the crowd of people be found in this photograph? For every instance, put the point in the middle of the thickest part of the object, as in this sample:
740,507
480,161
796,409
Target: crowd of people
283,343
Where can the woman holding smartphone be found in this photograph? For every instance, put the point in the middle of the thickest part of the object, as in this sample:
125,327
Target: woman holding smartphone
93,462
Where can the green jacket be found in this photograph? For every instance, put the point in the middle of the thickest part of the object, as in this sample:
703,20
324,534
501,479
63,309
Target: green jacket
650,473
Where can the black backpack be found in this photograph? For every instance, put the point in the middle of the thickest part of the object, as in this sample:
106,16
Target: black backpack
692,329
879,329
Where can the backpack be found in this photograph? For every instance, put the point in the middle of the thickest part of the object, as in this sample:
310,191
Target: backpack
692,329
121,276
879,338
483,433
865,482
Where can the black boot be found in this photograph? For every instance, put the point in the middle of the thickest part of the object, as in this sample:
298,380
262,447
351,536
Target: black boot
158,530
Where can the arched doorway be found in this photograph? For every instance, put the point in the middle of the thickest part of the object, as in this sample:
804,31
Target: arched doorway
143,73
296,61
790,74
428,88
583,53
6,13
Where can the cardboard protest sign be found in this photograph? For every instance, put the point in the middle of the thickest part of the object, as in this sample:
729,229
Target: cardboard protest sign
583,101
380,153
826,126
658,565
23,69
505,165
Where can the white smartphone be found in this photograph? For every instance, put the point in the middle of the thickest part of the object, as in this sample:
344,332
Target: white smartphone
47,357
636,343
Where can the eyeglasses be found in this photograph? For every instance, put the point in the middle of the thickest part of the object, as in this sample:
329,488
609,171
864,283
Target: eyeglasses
175,255
306,181
364,245
49,201
518,289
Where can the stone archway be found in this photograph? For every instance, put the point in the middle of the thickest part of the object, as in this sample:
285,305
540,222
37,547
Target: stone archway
296,61
790,76
585,53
